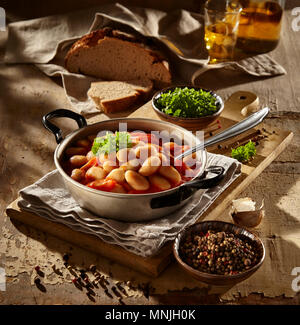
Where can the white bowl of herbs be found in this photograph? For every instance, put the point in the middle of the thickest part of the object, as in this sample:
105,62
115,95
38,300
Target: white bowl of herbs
189,107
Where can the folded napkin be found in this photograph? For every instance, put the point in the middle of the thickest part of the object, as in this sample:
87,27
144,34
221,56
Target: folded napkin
50,199
179,34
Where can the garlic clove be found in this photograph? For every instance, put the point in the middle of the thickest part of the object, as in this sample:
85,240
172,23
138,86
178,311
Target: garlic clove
244,204
243,212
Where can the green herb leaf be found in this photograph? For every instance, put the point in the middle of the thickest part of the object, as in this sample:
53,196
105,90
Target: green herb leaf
111,142
187,102
98,143
244,153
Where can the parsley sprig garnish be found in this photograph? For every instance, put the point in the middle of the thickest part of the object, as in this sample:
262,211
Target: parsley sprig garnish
187,102
244,153
111,142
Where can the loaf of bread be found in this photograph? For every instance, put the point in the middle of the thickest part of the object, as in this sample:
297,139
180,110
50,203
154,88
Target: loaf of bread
116,96
113,55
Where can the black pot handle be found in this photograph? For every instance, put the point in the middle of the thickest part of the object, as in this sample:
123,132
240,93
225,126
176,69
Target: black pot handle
203,182
189,188
81,121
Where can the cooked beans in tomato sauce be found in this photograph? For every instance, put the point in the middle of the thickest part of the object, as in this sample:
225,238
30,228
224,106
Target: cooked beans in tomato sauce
146,166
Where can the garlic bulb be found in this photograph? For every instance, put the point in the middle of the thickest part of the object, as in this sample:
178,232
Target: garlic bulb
244,212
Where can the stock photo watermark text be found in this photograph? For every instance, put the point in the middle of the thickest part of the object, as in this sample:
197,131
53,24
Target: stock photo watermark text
2,20
296,281
2,279
296,20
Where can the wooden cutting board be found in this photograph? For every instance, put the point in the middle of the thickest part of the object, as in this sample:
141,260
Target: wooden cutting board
267,150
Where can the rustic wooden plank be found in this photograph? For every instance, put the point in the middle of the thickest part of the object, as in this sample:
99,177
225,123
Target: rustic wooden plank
249,174
151,266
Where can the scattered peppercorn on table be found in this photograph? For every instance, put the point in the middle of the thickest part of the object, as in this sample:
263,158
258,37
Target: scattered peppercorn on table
41,269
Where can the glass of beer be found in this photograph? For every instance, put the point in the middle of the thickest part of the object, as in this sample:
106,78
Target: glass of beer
221,27
260,25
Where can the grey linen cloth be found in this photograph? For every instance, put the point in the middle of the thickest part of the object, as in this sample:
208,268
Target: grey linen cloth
50,199
179,34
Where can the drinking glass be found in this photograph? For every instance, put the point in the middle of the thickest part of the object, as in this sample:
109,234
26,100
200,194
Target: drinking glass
221,27
260,25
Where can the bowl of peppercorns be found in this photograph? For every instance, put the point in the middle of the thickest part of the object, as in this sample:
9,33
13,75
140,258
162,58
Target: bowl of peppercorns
218,253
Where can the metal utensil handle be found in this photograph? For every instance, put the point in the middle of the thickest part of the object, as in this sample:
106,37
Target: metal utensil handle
244,125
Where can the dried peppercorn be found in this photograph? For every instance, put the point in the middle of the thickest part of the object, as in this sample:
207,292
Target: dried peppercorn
93,268
39,271
37,281
66,257
108,294
121,302
90,296
39,285
119,286
82,274
116,292
218,253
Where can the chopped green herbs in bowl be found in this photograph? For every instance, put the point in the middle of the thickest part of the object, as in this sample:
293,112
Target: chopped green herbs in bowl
187,102
190,107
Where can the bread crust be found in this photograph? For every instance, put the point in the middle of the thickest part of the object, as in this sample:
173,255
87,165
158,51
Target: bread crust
118,105
94,38
125,95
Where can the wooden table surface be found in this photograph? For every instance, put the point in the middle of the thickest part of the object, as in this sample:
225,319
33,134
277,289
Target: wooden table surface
26,151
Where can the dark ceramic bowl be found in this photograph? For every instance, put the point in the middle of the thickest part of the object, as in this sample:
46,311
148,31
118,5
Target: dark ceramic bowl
192,123
216,279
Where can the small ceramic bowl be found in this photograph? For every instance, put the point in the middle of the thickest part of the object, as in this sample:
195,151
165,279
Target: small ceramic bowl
216,279
194,123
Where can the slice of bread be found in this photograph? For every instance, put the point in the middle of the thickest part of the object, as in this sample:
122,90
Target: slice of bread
112,55
116,96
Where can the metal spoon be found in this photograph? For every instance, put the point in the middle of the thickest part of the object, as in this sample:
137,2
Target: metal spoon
244,125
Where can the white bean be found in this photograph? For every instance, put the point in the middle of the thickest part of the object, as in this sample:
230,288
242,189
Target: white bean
71,151
83,143
165,161
158,148
159,182
189,172
78,160
117,174
122,155
146,151
150,166
77,174
137,143
190,160
170,173
95,172
111,157
90,155
108,166
133,164
136,181
168,146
